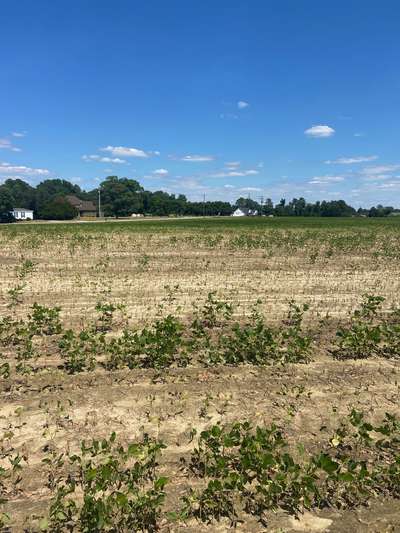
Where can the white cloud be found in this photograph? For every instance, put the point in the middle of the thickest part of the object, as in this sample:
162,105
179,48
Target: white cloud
19,133
325,180
101,159
320,131
389,185
379,169
352,160
378,172
197,158
235,173
6,168
251,172
6,144
232,164
242,104
161,172
127,152
191,184
359,134
250,189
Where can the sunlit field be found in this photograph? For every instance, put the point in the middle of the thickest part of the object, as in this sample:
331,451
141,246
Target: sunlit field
170,342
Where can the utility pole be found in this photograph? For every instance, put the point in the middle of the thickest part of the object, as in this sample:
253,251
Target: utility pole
99,190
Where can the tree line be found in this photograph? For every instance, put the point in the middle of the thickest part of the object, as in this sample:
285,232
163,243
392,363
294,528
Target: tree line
121,197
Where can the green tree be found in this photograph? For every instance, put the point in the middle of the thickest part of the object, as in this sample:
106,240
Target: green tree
121,196
280,208
249,203
336,208
6,206
58,209
268,207
23,194
49,190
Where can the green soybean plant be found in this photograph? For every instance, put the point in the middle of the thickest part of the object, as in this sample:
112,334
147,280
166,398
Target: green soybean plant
109,487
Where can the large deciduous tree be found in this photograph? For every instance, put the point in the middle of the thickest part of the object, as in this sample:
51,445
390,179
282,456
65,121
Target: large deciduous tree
6,206
49,190
120,197
23,194
58,209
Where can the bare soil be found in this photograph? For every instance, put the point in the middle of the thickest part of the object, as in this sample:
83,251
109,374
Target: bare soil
146,271
61,409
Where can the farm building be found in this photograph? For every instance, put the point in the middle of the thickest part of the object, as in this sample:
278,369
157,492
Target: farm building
20,213
85,208
244,212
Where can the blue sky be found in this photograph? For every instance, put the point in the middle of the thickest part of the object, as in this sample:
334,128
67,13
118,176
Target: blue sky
223,98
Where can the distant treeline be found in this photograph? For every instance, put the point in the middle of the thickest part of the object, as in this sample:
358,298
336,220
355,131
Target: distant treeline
121,197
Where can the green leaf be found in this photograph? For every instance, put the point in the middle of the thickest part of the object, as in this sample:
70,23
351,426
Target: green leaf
90,474
268,460
121,499
161,482
215,431
346,476
327,464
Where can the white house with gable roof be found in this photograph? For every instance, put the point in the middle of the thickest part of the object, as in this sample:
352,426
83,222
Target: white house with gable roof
20,213
244,212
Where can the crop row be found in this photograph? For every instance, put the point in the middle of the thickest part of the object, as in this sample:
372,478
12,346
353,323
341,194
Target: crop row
239,470
380,241
210,337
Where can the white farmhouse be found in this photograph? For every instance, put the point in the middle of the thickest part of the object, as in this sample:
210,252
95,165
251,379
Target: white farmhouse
20,213
244,212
